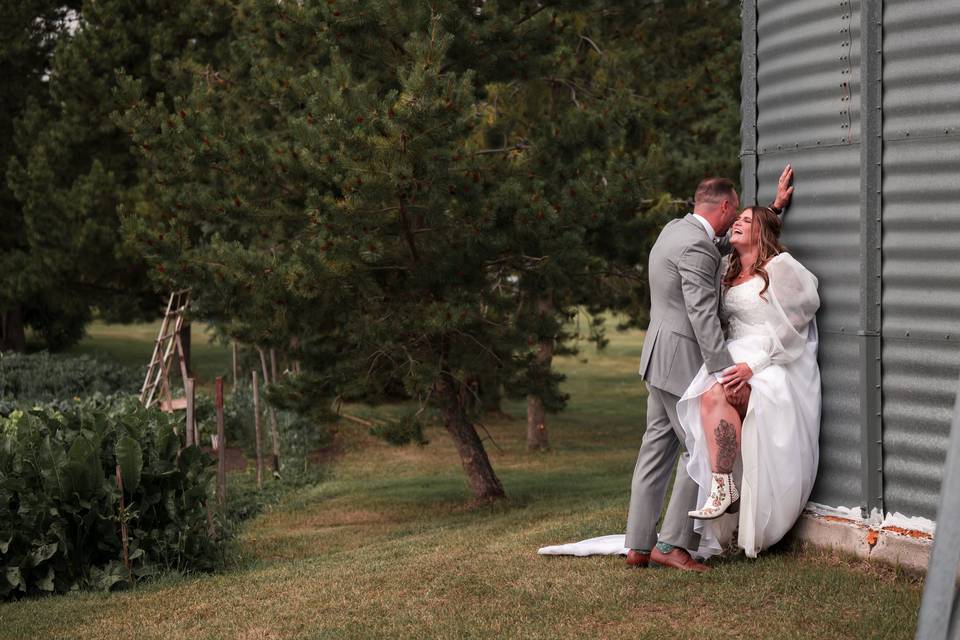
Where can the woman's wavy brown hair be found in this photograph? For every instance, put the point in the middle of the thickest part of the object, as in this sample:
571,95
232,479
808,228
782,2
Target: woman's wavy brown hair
766,231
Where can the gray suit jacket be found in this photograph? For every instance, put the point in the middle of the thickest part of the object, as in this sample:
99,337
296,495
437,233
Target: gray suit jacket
684,331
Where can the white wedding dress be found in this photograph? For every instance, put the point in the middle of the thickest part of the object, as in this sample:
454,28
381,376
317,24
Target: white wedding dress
776,334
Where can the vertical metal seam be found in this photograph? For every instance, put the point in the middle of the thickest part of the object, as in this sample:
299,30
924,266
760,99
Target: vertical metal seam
748,102
871,208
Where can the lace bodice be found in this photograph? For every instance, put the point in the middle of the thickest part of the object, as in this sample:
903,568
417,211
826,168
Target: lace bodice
742,310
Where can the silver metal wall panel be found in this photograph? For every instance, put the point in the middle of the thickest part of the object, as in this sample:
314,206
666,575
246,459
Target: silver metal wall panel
919,386
807,74
921,248
822,230
921,241
748,101
822,227
807,106
921,68
838,478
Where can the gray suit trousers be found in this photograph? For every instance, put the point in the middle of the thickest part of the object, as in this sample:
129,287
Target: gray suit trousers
662,442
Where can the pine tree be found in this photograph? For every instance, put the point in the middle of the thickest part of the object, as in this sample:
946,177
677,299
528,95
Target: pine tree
28,32
74,168
417,196
327,186
599,154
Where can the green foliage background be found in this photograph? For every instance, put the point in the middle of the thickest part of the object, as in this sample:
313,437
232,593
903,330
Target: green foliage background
404,197
40,378
68,168
418,194
60,506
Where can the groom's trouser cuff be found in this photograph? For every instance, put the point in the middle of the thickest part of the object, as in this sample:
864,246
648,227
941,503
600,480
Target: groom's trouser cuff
655,463
677,526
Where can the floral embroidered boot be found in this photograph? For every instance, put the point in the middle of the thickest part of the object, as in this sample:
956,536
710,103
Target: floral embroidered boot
723,497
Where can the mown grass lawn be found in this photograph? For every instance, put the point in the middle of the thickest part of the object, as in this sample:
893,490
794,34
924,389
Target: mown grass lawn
391,546
132,345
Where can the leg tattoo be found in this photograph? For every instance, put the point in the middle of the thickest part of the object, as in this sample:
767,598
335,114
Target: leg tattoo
726,446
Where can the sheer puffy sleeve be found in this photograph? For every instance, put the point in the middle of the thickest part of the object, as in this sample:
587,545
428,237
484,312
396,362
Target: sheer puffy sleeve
791,306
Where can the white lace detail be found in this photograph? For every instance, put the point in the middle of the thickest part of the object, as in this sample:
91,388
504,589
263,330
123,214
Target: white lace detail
742,311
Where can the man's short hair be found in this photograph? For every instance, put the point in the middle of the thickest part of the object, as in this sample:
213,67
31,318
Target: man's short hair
714,191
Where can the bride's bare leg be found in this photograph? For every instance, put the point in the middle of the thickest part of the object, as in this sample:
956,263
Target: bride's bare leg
722,423
721,427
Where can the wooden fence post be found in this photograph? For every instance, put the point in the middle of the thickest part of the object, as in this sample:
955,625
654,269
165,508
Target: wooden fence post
274,435
295,353
256,427
191,427
221,447
234,364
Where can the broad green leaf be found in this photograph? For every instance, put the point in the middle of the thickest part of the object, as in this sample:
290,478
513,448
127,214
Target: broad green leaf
76,479
167,442
15,578
82,469
42,553
110,575
130,458
46,583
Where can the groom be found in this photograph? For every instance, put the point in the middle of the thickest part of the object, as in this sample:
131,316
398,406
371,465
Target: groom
684,333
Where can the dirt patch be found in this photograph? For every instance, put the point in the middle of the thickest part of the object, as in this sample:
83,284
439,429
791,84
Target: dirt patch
294,524
234,458
328,453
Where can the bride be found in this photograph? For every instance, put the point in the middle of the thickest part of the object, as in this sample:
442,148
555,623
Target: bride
763,416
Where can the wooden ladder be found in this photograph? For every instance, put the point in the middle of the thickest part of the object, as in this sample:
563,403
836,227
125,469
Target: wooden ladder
168,344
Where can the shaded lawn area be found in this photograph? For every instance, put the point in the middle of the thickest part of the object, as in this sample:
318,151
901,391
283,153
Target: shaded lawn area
390,546
132,345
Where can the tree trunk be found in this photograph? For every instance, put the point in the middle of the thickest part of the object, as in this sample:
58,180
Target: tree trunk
185,343
536,425
12,335
536,415
483,481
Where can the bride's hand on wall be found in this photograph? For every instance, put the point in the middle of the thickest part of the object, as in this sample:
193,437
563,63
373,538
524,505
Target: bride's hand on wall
784,188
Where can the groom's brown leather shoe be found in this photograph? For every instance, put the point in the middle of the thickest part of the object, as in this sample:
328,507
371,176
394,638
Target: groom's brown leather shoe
637,559
678,558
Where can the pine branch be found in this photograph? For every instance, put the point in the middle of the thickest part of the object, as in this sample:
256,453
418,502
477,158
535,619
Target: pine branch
520,146
592,44
481,345
408,235
531,15
489,436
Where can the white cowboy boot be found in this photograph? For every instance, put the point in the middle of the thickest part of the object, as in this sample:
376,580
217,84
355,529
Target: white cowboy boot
723,497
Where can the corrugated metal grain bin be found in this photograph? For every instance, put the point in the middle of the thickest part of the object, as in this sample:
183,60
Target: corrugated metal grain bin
863,99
